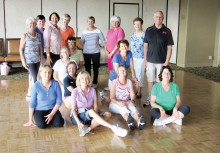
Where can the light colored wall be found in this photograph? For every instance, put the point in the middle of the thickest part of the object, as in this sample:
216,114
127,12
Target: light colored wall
2,32
200,28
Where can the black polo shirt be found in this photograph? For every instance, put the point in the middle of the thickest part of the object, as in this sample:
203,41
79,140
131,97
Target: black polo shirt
68,81
158,40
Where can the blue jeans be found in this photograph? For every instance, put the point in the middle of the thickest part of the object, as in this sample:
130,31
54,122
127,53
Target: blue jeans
155,112
84,118
39,118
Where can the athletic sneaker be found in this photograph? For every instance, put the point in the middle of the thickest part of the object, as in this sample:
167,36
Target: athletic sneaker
130,122
141,122
147,102
84,131
179,122
119,131
159,122
102,95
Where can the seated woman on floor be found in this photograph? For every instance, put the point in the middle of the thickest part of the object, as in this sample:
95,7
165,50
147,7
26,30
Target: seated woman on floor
46,99
122,100
165,100
85,108
69,83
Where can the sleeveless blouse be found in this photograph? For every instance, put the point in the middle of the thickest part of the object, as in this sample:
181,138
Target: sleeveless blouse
122,91
31,49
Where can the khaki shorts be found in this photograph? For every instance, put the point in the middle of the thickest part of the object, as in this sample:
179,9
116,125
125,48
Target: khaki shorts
152,71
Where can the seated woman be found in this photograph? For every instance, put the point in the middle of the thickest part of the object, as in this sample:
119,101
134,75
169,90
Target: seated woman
46,99
122,100
69,83
124,57
85,108
60,67
165,100
76,54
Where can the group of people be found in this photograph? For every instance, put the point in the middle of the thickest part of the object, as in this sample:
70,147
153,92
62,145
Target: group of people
61,79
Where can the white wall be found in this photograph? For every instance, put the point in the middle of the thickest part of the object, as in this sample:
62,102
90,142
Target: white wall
16,14
2,32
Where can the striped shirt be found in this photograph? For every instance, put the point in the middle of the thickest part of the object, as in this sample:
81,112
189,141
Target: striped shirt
90,41
122,92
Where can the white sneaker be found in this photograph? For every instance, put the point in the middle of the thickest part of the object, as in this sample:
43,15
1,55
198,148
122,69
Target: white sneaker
178,122
147,102
159,122
119,131
106,88
102,95
84,131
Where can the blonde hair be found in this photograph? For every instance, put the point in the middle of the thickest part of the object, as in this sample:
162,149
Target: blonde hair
79,76
45,66
66,16
64,49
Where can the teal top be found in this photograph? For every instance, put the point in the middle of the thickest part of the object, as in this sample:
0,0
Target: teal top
166,99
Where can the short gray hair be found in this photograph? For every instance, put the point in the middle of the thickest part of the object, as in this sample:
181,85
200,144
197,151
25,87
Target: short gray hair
31,19
116,18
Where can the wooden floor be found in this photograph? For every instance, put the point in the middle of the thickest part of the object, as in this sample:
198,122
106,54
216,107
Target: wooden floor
200,131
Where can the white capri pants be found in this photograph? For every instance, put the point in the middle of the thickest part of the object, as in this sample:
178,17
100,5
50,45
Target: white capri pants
153,70
139,70
114,108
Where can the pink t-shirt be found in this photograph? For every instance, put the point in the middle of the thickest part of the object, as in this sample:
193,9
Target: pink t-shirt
113,36
83,101
52,39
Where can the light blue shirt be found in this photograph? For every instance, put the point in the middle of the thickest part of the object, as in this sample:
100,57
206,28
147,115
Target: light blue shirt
45,99
137,45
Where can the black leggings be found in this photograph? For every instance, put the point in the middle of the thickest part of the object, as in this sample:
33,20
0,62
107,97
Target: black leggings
39,118
33,70
155,112
95,58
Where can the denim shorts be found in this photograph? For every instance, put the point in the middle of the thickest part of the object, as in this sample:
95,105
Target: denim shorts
84,118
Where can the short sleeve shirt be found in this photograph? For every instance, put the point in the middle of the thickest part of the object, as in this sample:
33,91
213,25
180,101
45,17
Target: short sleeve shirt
83,101
158,40
77,57
118,59
137,45
166,99
68,81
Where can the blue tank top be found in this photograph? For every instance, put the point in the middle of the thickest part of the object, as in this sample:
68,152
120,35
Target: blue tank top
31,49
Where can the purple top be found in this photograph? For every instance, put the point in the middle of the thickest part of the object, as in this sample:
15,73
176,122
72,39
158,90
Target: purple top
83,101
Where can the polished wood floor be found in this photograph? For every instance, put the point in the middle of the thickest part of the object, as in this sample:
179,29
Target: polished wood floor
200,131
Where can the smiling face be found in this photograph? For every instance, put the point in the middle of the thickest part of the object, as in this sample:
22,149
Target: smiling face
123,47
158,18
84,80
71,70
41,23
115,24
137,25
91,22
122,72
166,75
54,20
31,25
45,74
64,53
66,21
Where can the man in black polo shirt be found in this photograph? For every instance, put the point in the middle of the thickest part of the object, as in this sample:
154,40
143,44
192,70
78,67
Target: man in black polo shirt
158,43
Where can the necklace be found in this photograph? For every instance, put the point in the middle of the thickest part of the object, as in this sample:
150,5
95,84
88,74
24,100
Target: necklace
122,83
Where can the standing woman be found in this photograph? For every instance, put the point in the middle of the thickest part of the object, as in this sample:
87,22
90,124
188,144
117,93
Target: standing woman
46,100
114,34
91,48
30,50
137,49
52,40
